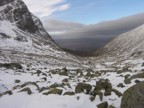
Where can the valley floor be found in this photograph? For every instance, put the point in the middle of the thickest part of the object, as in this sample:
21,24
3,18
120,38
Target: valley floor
32,87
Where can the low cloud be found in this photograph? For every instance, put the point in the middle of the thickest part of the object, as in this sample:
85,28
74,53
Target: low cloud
80,37
46,7
71,30
52,26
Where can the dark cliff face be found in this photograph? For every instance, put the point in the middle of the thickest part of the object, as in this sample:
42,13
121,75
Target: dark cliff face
17,12
3,2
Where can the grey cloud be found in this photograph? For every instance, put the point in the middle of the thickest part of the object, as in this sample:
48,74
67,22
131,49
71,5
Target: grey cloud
52,25
76,34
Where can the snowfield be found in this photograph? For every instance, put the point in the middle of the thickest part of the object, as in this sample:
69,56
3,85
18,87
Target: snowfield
109,70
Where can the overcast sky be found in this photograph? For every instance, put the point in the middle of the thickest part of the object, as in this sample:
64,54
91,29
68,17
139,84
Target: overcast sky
73,22
71,30
82,37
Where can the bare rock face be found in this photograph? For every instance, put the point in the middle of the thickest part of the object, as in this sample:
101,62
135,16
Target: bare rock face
17,12
3,2
24,39
133,97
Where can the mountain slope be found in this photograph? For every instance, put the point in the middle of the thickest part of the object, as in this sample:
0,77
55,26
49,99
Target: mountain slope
36,73
23,38
130,43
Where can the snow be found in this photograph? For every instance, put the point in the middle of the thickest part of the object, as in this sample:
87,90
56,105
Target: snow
21,100
2,7
38,100
34,52
43,57
32,45
126,43
7,28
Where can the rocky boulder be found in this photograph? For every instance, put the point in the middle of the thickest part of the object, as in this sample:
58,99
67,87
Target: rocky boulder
134,97
83,88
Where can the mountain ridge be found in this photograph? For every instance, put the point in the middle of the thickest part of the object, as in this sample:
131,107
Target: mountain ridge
128,43
22,32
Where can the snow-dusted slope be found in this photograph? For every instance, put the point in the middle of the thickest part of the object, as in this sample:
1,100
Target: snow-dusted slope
36,73
23,38
130,43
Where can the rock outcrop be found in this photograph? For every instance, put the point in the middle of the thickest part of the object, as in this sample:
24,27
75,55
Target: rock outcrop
133,97
24,39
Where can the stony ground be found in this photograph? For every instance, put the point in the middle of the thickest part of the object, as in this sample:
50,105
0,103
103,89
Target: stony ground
35,86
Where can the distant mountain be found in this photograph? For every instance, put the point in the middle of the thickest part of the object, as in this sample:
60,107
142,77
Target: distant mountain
23,38
130,43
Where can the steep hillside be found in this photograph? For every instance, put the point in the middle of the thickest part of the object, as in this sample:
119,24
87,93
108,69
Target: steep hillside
130,43
23,38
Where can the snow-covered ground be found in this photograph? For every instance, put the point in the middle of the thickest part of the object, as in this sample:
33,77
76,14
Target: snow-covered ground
114,71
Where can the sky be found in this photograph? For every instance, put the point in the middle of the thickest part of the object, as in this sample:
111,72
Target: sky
73,23
85,11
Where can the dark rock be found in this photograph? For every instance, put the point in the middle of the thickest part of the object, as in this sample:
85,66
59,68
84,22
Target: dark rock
55,71
4,35
45,79
17,81
78,97
54,91
90,75
103,84
127,81
64,72
142,64
3,2
65,69
16,87
43,89
65,80
11,65
21,38
8,92
83,88
120,85
127,76
92,98
55,85
44,74
38,72
119,94
79,71
69,93
137,81
134,97
30,83
139,75
17,12
103,105
28,90
111,106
